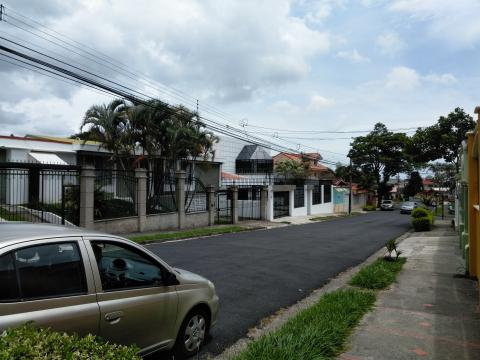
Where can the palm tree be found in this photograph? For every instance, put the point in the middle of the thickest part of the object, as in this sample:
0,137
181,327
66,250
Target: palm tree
109,125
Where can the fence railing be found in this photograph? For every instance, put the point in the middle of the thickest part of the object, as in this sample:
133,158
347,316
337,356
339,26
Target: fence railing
161,194
114,194
39,195
196,199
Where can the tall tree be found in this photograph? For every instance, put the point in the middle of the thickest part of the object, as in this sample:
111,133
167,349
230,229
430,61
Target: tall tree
109,125
414,185
441,140
379,155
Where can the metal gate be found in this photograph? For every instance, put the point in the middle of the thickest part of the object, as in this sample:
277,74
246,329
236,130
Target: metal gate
281,204
223,213
249,203
39,193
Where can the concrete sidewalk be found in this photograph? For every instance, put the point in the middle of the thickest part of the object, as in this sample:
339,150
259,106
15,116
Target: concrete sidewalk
430,313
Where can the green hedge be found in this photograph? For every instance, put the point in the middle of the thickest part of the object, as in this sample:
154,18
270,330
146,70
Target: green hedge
422,219
27,342
369,208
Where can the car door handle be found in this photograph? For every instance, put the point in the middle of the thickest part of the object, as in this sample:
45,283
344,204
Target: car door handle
114,316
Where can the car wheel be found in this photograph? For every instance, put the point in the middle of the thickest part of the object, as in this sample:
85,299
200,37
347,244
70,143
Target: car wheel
192,334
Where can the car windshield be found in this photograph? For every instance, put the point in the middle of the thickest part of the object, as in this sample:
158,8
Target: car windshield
408,203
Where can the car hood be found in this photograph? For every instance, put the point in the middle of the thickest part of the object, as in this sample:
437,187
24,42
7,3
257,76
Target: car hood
190,277
408,207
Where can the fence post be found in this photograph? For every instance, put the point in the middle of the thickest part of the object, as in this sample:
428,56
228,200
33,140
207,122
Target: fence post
141,197
234,192
87,178
180,197
211,204
264,203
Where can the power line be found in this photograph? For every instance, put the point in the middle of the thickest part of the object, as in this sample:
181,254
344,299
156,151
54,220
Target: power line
112,90
109,60
324,132
134,98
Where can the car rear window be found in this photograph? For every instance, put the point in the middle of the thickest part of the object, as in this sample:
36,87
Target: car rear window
8,279
43,271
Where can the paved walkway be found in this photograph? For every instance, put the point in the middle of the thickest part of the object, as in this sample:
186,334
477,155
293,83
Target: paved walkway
430,313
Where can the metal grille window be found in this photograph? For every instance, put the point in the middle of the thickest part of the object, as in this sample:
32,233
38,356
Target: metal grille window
327,193
317,194
299,197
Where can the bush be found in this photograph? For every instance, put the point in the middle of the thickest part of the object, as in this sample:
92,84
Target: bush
27,342
369,208
420,212
421,224
422,219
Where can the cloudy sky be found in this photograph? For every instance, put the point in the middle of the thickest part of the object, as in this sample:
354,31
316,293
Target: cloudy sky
327,65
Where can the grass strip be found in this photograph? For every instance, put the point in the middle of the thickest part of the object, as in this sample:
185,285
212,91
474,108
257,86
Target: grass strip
319,332
187,233
378,275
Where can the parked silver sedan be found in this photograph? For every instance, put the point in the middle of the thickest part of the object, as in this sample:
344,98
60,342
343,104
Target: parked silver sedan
81,281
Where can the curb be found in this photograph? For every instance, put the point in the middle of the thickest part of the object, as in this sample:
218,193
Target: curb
275,321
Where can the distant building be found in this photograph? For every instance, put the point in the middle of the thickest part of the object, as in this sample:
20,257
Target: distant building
316,169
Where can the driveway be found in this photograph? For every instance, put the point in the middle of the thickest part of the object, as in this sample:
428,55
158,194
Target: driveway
256,273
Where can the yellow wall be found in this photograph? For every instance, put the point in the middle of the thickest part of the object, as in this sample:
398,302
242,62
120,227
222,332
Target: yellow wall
473,202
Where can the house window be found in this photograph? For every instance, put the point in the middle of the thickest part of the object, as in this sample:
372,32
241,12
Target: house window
299,197
327,193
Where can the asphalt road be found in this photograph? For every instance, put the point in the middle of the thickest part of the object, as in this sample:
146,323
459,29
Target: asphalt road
258,272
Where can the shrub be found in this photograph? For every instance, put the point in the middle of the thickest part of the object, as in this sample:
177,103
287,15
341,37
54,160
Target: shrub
369,208
421,224
422,219
420,212
27,342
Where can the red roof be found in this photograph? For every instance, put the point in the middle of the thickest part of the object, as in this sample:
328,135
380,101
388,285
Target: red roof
427,182
229,176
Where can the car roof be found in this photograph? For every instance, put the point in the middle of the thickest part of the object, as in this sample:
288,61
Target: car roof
14,232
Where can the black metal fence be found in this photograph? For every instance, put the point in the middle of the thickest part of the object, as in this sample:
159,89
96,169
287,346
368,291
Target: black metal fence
317,194
114,194
161,194
299,196
281,204
223,213
195,196
29,192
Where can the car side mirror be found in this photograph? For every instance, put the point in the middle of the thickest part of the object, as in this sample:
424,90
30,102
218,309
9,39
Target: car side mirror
169,279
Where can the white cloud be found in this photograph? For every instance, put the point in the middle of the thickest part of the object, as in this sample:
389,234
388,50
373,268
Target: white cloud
318,102
447,20
405,78
442,79
402,78
390,43
353,56
321,9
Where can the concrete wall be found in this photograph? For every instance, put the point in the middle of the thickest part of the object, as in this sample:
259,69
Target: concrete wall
326,208
117,226
167,221
199,219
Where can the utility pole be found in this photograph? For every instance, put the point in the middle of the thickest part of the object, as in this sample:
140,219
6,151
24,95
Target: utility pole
350,185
